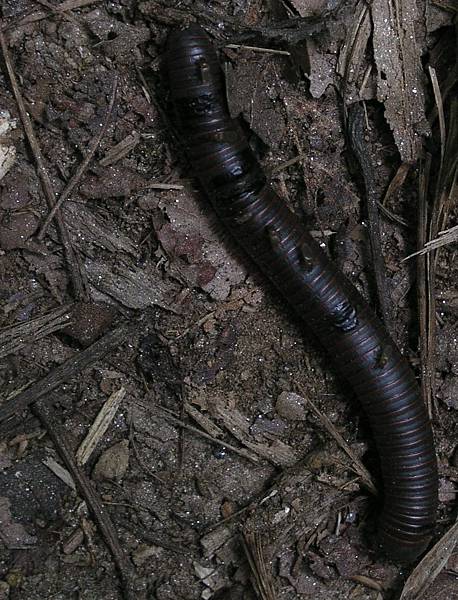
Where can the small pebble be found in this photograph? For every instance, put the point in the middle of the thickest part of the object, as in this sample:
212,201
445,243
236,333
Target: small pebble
291,406
113,463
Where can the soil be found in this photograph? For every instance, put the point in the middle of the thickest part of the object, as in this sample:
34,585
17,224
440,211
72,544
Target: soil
211,350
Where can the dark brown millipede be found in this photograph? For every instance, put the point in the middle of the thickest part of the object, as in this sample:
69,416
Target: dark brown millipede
325,300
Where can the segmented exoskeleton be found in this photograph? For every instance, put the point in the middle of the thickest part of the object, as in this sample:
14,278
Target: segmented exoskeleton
328,303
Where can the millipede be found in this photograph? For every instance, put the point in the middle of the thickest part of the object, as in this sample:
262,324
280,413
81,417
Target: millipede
277,241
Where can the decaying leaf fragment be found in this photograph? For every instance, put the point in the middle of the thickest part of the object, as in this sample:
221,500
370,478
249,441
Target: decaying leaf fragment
397,54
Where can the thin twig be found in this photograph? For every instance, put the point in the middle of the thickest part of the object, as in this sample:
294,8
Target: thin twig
153,538
443,199
425,311
392,216
449,236
447,5
56,432
151,185
352,47
79,281
440,110
397,182
58,11
357,465
61,374
137,454
289,163
74,181
258,49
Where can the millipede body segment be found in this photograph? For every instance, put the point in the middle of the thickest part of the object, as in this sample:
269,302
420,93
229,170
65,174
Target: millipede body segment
276,240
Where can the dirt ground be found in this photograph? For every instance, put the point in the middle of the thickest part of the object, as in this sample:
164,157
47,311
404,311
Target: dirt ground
225,459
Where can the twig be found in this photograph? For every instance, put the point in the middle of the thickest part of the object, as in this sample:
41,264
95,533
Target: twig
443,191
161,186
64,372
397,182
392,216
56,10
231,517
83,165
56,432
156,540
289,163
357,465
449,236
137,454
440,110
447,5
16,336
354,46
368,582
425,310
79,281
257,49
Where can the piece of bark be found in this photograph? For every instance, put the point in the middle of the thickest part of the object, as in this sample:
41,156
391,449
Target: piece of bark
19,335
133,287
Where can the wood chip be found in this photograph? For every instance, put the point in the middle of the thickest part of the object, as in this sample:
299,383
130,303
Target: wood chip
134,288
60,472
88,230
73,542
203,420
278,453
120,150
430,566
16,337
100,426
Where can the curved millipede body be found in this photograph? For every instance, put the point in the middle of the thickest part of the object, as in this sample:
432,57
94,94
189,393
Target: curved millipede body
325,300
